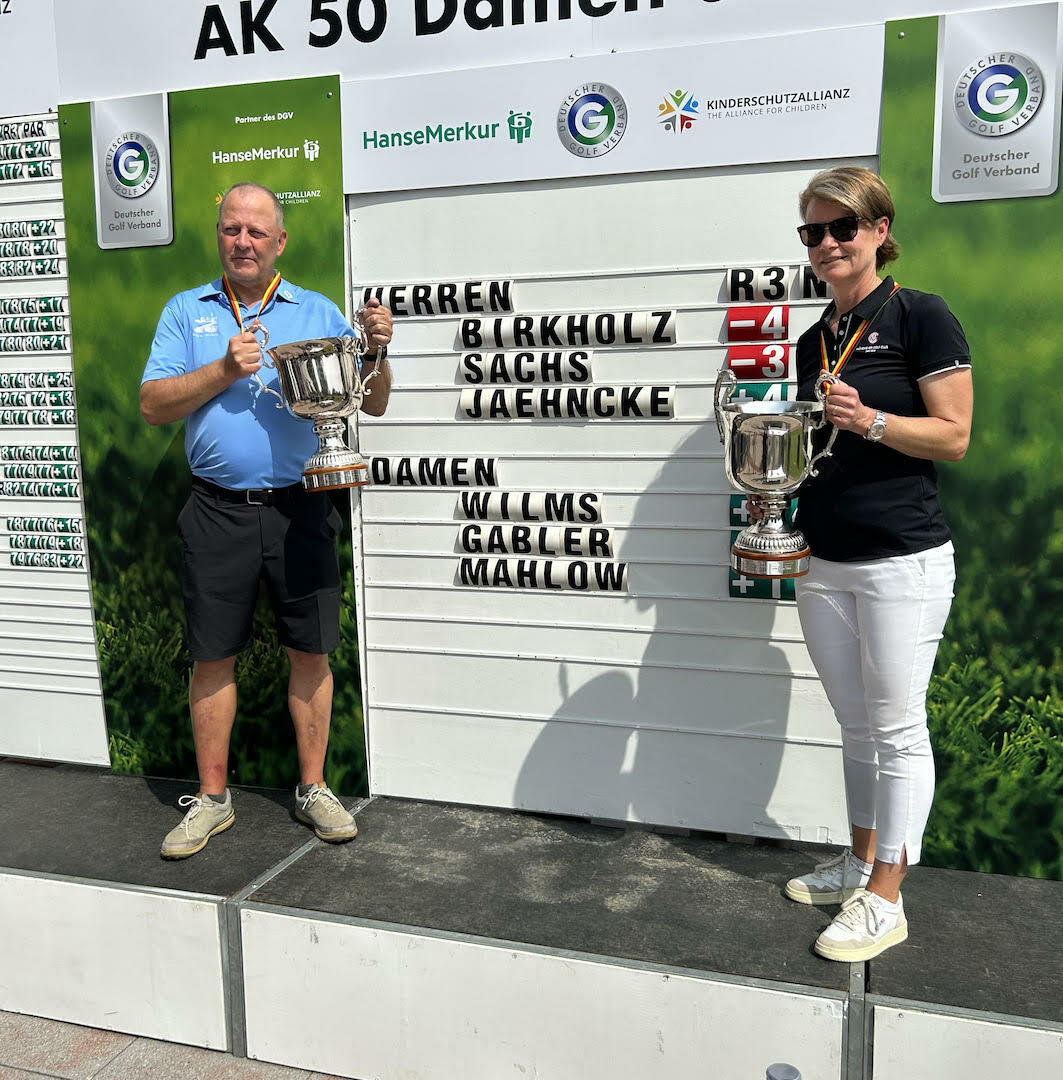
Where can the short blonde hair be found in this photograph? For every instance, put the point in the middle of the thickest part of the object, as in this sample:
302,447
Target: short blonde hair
861,191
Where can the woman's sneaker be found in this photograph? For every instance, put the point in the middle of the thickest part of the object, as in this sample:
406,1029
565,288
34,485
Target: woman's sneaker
320,808
204,819
866,926
832,882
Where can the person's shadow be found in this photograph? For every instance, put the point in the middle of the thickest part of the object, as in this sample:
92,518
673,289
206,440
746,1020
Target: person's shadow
693,735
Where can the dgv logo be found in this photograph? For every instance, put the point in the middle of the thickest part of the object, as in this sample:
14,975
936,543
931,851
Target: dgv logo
998,94
132,164
592,120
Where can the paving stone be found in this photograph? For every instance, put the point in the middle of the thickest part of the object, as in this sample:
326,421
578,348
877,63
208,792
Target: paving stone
55,1048
150,1059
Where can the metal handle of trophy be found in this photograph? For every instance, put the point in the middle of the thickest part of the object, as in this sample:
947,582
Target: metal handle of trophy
824,382
725,387
262,337
363,350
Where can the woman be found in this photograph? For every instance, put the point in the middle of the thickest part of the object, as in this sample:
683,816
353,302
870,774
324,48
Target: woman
878,592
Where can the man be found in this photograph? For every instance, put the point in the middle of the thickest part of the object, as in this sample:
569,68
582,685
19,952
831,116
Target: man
248,514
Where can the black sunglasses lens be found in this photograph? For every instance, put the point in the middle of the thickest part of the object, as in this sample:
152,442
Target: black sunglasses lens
812,235
843,230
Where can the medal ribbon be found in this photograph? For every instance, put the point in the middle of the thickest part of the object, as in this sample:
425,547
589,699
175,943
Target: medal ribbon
853,341
271,288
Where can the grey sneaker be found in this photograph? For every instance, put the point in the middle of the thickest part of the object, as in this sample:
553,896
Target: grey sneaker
320,808
832,882
205,817
863,928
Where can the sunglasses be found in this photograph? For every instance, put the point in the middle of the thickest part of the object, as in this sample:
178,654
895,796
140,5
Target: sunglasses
843,230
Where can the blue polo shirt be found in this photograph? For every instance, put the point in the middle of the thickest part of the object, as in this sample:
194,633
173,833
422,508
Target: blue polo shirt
240,439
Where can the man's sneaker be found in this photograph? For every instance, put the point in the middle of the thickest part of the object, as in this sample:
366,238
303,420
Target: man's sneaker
832,882
865,926
205,817
320,808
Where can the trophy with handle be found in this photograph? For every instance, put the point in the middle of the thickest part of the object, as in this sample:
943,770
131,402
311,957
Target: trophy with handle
768,453
321,381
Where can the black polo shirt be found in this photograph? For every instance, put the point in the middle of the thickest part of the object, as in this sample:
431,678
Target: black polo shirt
869,501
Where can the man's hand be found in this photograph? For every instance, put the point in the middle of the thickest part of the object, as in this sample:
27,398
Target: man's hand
376,321
243,357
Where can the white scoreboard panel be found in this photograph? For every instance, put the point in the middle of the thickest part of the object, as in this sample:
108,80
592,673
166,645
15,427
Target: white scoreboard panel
549,620
51,704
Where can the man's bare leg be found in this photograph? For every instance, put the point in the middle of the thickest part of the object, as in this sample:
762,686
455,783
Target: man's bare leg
310,703
212,703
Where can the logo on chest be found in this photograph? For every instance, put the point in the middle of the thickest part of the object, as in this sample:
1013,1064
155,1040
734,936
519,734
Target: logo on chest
205,325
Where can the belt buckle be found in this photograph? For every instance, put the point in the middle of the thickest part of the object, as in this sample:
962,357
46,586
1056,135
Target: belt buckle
261,496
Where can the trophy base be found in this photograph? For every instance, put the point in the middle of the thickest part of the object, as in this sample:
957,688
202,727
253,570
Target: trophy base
769,549
755,564
336,477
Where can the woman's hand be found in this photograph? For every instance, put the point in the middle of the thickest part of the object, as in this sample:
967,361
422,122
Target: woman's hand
846,411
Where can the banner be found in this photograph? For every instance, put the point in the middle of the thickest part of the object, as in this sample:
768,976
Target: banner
287,136
996,702
160,43
747,101
996,126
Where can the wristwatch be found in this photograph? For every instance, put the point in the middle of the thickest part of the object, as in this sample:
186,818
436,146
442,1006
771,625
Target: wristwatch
878,427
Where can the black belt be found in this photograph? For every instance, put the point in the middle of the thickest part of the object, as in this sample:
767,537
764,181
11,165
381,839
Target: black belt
250,496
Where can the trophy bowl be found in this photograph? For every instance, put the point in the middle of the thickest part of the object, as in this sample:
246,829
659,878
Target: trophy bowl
768,453
321,381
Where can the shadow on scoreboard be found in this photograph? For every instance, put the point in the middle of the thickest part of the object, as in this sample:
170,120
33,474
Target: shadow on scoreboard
693,735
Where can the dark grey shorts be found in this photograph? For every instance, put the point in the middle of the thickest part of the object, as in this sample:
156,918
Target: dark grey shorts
229,547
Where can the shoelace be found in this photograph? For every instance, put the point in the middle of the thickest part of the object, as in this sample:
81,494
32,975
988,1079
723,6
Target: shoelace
861,908
331,802
838,863
193,801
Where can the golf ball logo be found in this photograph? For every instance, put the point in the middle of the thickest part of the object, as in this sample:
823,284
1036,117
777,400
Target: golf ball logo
132,164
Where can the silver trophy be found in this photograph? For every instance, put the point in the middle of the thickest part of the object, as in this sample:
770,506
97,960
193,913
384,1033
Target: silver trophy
767,450
321,381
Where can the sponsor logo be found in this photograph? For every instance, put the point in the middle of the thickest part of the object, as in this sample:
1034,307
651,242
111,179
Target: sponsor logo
998,93
254,153
520,125
311,149
462,131
592,120
677,111
206,324
132,164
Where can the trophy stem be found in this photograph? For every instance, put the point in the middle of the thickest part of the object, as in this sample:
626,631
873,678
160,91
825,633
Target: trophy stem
334,465
770,548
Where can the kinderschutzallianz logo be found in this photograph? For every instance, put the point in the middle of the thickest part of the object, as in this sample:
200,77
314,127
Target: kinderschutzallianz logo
132,164
592,119
998,94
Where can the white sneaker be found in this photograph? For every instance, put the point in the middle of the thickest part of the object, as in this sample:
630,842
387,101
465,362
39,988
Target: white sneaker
204,819
832,882
865,927
320,808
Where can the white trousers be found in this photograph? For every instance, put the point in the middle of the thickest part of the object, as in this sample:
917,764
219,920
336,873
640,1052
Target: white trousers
872,630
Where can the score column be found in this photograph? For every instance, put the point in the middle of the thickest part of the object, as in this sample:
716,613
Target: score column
50,698
760,356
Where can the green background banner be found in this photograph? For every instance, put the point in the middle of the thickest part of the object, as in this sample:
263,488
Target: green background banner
136,477
996,704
